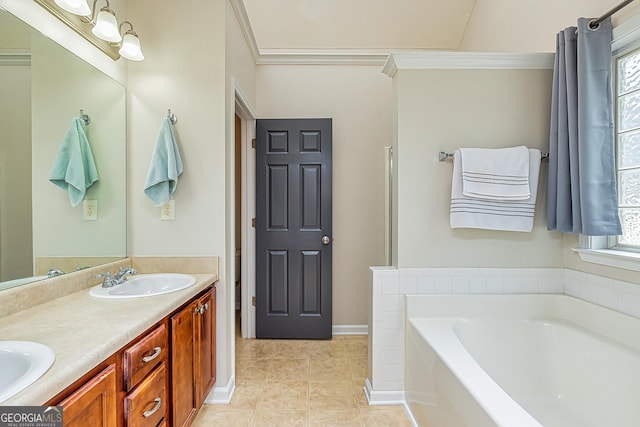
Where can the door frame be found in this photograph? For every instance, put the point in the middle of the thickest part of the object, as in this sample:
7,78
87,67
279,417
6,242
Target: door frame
248,211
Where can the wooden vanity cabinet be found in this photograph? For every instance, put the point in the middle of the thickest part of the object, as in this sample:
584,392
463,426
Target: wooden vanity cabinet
159,379
94,403
192,357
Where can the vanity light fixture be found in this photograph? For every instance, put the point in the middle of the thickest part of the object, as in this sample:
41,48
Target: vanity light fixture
130,48
105,34
77,7
106,25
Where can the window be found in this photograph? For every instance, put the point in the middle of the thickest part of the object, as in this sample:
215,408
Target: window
627,70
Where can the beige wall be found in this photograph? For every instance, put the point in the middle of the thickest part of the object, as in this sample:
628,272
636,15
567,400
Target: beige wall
529,25
16,248
195,79
240,74
183,70
441,110
358,98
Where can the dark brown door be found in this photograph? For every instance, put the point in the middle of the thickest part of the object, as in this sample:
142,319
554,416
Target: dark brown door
293,228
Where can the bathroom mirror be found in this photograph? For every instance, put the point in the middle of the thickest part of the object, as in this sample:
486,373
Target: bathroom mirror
42,88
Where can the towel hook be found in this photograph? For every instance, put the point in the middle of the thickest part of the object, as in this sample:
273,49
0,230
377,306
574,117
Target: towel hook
172,117
86,118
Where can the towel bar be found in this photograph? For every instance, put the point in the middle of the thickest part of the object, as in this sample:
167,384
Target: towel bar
443,156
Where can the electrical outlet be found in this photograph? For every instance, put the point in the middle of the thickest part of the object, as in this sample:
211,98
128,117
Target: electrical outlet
90,210
168,211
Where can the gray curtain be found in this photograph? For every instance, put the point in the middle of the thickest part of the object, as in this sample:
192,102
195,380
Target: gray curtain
581,187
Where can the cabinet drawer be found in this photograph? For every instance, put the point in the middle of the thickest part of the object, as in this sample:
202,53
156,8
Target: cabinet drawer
142,357
146,405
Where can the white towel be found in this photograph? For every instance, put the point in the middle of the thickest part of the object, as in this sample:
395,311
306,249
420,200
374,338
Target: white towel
165,167
495,173
467,212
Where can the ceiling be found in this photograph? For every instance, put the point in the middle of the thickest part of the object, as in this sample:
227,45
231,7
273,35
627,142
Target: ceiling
358,24
315,27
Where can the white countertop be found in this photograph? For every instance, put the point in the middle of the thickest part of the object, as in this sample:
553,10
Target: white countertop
83,331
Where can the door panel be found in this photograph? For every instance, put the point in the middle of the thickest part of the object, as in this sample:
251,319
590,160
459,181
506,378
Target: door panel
293,214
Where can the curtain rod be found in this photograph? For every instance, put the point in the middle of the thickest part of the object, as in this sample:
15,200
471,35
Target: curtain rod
595,22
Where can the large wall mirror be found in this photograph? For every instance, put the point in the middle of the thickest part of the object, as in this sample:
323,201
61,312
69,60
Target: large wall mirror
42,88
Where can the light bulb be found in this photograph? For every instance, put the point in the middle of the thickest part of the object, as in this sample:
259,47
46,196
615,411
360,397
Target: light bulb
77,7
106,26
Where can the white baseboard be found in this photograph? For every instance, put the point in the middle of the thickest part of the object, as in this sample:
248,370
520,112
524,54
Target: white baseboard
350,329
375,398
414,423
222,394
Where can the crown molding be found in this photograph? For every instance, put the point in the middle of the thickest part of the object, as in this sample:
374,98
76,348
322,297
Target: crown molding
467,60
243,20
15,58
321,57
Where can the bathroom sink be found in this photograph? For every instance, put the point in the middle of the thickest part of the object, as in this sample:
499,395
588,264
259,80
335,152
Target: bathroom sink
145,285
21,364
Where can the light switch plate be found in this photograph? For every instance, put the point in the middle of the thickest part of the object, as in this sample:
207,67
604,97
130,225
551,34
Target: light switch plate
168,211
90,210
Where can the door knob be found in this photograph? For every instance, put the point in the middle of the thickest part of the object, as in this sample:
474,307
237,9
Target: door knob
326,240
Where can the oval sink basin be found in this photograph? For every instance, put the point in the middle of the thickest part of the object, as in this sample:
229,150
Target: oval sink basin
145,285
21,364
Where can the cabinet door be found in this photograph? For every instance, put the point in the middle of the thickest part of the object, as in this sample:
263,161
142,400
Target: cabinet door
183,393
206,345
93,404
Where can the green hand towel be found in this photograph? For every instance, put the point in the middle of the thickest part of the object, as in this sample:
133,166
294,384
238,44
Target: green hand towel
165,167
74,169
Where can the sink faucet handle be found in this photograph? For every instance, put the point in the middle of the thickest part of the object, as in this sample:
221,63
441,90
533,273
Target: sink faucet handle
108,280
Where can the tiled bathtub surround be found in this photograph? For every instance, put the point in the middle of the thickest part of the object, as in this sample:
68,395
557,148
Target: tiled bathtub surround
386,329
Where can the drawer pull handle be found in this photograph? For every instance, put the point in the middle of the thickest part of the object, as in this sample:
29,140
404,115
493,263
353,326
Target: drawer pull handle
156,353
153,410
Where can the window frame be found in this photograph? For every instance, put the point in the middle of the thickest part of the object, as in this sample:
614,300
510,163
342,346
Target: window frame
613,242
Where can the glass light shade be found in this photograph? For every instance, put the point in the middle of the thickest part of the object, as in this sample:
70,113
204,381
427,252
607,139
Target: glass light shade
131,48
107,27
77,7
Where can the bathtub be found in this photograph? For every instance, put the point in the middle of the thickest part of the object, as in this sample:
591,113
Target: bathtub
520,361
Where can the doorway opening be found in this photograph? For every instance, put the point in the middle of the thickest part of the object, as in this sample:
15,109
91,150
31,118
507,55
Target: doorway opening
244,158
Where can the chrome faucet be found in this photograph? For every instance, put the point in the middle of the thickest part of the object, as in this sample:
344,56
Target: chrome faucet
120,276
53,272
108,281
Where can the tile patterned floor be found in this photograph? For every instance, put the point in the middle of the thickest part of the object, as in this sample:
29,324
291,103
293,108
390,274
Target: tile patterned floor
283,383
